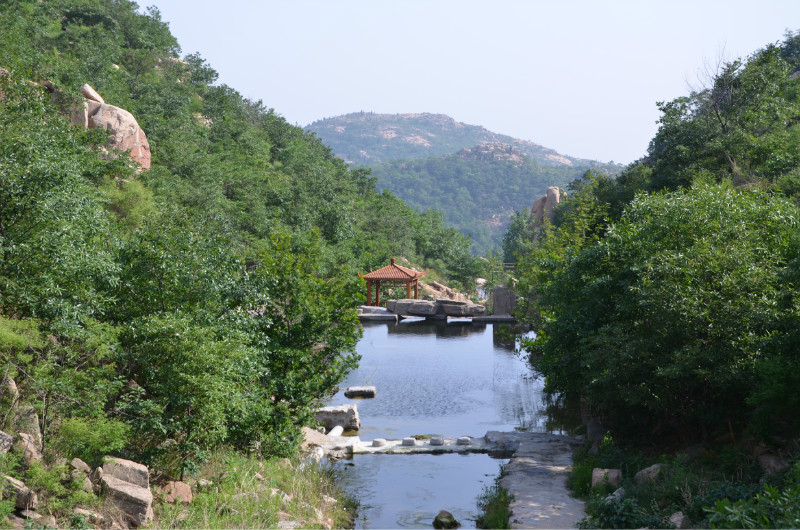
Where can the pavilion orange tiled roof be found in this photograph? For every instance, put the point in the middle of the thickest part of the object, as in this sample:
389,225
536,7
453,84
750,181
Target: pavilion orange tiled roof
394,272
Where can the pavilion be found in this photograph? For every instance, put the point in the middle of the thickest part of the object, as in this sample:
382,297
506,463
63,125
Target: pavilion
395,274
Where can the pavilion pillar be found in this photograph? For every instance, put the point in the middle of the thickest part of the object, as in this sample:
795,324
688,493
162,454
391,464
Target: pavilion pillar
416,289
369,292
377,292
408,289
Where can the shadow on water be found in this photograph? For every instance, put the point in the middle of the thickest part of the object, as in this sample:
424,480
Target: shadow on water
450,378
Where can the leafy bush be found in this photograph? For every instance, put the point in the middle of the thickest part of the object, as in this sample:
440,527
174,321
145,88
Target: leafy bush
771,508
90,438
620,514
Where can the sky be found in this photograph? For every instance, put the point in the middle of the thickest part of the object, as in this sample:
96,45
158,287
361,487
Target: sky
580,77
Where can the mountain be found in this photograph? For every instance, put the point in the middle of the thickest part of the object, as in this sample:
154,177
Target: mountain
474,177
369,138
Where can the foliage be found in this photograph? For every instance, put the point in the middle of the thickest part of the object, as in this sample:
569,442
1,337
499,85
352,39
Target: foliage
90,438
494,504
660,323
771,508
619,514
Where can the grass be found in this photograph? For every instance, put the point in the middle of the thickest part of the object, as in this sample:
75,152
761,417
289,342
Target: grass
246,492
494,504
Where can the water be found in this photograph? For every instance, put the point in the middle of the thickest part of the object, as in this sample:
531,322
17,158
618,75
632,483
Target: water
453,379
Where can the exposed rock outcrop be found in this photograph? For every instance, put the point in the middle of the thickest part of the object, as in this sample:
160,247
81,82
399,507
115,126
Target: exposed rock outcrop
125,133
127,485
439,309
344,415
438,291
504,301
543,206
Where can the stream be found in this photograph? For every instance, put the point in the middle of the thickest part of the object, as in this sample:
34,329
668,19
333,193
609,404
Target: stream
450,378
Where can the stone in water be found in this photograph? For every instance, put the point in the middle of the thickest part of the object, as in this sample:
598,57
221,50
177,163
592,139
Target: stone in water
437,440
409,441
360,392
464,440
379,442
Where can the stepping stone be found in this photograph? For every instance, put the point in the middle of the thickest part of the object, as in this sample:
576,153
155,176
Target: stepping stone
409,441
464,440
437,440
360,392
379,442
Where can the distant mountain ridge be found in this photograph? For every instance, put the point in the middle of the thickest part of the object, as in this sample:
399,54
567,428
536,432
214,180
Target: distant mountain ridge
366,138
476,178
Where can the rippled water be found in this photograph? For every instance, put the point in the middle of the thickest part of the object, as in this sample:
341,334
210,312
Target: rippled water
450,378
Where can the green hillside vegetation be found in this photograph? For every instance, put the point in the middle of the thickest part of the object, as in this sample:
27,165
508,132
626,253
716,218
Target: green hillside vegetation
474,177
477,190
668,299
366,138
208,302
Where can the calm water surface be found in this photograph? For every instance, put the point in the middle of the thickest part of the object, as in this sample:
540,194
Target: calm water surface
449,378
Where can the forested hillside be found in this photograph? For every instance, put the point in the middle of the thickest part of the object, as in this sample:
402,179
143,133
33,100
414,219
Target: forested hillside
208,301
475,177
477,190
668,300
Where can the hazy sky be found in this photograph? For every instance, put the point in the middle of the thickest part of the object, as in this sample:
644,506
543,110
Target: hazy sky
581,77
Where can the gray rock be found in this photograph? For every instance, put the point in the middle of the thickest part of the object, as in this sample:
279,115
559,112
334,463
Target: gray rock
26,420
79,465
24,497
648,474
136,474
616,496
6,442
422,308
437,440
379,442
90,93
452,308
135,502
360,392
772,464
464,440
94,518
602,476
409,441
344,415
445,519
26,446
680,520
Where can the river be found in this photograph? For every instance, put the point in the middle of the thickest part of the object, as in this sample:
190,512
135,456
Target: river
453,379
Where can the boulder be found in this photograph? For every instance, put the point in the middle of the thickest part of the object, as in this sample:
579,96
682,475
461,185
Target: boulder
135,502
91,517
136,474
24,497
616,496
503,300
124,131
445,519
6,442
26,420
344,415
176,491
79,465
90,93
543,206
772,464
648,474
336,431
413,307
680,520
26,446
453,308
600,477
360,392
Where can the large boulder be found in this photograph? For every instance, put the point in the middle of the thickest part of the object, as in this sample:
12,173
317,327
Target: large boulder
453,308
600,477
24,497
26,420
344,415
648,474
135,502
413,307
503,300
124,131
126,470
25,445
6,442
543,206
